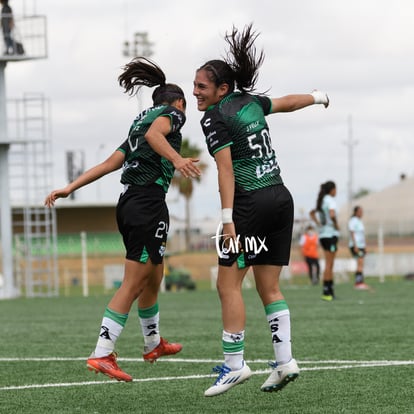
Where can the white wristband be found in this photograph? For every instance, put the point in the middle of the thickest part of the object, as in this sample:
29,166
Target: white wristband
320,97
227,215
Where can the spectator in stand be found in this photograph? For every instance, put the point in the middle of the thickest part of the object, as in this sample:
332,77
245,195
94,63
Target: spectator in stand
7,24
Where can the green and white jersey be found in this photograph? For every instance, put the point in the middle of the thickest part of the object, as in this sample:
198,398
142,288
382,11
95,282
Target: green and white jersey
142,164
238,121
356,226
327,228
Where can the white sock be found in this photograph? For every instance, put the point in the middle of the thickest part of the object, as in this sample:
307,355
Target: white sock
150,331
233,349
279,323
110,330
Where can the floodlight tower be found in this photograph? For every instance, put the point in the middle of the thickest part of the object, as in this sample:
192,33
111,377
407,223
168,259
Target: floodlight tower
140,46
32,44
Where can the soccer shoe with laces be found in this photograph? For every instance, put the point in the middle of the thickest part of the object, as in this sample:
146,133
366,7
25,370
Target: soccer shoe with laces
227,379
163,348
107,366
281,376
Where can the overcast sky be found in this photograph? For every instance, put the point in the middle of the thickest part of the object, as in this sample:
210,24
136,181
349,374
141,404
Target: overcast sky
361,52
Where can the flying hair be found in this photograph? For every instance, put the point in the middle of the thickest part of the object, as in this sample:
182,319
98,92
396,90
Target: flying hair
143,72
243,57
240,66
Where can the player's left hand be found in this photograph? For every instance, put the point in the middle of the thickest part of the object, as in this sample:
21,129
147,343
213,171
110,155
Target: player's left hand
54,195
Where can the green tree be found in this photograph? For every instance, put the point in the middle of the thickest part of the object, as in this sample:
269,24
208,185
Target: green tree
186,185
362,192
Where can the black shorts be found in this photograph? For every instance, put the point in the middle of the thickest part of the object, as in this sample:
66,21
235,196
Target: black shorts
143,221
360,253
264,221
329,244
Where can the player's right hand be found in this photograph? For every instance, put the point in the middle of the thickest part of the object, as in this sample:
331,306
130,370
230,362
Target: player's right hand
320,97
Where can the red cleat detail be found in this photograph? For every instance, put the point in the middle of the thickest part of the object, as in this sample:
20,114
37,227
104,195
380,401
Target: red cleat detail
163,348
108,366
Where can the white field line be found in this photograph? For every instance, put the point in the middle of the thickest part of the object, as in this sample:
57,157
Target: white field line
338,365
208,361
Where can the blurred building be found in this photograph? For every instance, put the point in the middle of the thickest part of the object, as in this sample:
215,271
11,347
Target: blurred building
391,210
76,217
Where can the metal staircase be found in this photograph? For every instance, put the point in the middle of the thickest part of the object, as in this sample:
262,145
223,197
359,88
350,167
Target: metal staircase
34,226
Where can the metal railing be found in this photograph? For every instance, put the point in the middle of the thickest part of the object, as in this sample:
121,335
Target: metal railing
26,40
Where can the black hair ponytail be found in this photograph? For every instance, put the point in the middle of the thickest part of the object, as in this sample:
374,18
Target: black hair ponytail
325,189
240,67
143,72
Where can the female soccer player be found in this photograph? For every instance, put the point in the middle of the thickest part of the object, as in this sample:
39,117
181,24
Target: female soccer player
357,245
148,158
325,216
257,209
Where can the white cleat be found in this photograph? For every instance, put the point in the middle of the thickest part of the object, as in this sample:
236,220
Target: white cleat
227,379
281,376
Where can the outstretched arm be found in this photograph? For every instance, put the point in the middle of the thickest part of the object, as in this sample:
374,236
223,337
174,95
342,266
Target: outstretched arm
156,138
114,162
290,103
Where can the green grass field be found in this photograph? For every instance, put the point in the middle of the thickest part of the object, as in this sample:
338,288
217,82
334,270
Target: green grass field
356,355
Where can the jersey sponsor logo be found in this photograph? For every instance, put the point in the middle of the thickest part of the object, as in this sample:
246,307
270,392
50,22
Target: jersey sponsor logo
211,135
127,165
207,122
180,120
264,169
226,245
210,139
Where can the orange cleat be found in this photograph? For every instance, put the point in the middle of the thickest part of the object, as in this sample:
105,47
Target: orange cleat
163,348
108,366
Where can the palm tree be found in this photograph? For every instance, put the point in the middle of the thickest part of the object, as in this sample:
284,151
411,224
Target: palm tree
185,185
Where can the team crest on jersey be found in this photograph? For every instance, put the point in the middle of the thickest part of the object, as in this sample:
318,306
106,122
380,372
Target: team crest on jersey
161,251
